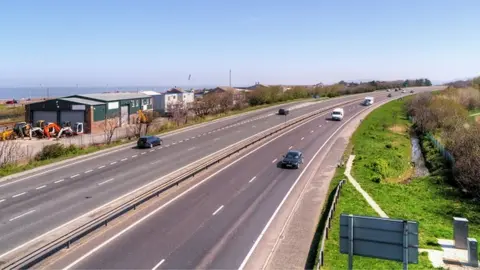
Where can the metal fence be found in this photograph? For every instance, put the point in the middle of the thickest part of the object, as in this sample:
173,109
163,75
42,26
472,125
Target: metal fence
328,223
439,146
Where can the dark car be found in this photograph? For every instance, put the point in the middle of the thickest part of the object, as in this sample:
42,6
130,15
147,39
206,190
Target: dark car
389,95
149,141
283,112
411,91
292,159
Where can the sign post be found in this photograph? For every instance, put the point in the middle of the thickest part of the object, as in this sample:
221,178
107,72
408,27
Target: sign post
382,238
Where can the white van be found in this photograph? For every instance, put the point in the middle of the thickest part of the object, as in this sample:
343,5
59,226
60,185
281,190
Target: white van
368,101
337,114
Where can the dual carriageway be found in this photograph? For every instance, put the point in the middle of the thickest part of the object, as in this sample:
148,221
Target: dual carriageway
212,222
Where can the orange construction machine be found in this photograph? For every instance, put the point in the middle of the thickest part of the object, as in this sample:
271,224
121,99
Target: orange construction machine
51,129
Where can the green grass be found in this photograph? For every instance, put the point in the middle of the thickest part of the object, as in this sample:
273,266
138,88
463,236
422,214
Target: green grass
351,202
432,200
11,113
474,112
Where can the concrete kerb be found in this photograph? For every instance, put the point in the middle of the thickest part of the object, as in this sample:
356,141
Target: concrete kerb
84,219
114,149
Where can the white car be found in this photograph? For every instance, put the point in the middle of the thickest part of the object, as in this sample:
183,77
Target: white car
368,101
403,91
337,114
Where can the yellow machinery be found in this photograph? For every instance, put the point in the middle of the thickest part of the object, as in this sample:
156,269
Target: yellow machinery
8,134
142,118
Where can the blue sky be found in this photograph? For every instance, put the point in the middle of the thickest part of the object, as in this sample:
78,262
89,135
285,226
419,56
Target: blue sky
116,42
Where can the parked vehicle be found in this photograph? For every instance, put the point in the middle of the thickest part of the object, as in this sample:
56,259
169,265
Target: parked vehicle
149,141
337,114
292,159
283,112
368,101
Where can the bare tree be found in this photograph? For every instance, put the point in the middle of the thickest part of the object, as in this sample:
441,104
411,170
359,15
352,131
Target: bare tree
112,122
10,153
178,112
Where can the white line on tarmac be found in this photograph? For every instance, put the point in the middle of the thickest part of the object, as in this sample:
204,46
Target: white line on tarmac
273,161
134,156
124,159
61,180
40,187
158,264
290,147
251,180
190,149
19,194
101,167
22,215
73,176
302,138
2,200
89,171
113,163
151,150
106,181
143,153
216,139
218,210
311,131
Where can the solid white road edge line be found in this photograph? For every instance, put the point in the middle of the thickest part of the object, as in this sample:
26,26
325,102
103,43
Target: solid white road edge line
273,161
158,264
164,205
218,210
22,215
257,241
251,180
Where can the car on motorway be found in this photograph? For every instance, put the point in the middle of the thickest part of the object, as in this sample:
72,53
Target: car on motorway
389,95
368,101
293,159
403,91
337,114
283,112
411,91
149,141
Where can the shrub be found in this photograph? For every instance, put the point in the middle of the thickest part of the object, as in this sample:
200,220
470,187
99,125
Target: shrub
51,151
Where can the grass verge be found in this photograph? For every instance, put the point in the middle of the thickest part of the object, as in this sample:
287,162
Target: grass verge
382,167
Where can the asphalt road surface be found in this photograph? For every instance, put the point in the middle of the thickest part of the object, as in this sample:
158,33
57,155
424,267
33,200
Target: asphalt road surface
36,203
215,224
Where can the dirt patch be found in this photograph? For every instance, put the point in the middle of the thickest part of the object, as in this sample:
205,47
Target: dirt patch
477,118
398,129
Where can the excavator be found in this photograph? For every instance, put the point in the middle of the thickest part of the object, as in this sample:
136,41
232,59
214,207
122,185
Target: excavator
142,118
7,134
51,129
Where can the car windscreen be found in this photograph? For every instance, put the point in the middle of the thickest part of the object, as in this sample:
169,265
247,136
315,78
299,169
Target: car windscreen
292,155
142,140
337,113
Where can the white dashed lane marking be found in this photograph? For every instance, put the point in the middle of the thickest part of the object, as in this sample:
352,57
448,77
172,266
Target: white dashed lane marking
89,171
302,138
73,176
101,167
290,147
218,210
113,163
134,156
251,180
22,215
106,181
124,159
61,180
19,194
40,187
273,161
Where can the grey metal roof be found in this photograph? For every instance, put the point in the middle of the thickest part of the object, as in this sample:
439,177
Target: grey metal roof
114,96
82,101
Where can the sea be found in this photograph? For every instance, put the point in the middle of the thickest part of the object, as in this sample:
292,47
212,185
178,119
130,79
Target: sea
19,93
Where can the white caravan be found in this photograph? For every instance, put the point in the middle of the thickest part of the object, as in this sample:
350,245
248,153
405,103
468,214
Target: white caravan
337,114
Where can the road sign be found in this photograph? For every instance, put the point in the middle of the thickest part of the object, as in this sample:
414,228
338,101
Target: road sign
383,238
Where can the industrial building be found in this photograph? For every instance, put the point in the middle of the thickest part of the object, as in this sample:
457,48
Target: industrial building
91,109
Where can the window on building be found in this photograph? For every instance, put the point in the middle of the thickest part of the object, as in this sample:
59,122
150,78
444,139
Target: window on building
132,103
144,101
138,103
149,101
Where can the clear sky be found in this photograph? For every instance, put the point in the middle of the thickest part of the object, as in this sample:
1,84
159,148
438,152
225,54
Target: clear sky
161,42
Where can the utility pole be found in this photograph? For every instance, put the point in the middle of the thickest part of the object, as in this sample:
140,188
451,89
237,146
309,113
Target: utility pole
230,78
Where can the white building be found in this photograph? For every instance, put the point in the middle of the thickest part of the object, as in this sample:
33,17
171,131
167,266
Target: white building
172,96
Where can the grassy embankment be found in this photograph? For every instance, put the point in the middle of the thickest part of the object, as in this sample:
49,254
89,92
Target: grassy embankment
382,167
73,151
11,113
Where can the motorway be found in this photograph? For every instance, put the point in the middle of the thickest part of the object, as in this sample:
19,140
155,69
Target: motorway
215,224
36,203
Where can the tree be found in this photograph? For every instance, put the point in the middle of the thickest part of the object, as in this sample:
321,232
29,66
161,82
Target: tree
178,112
476,82
112,122
428,82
